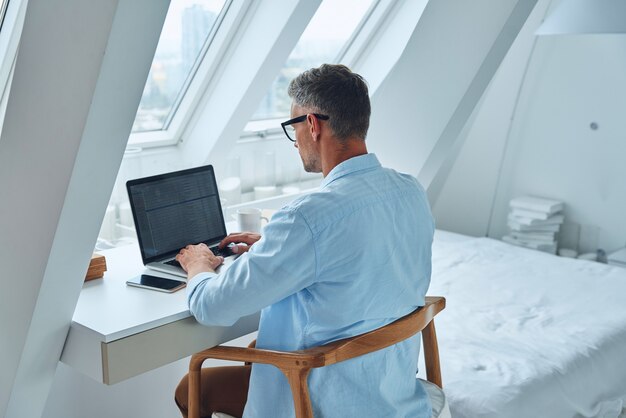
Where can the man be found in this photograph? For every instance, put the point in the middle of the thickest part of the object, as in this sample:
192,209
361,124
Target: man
347,259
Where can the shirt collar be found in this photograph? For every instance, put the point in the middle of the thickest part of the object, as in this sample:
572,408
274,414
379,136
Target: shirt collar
352,165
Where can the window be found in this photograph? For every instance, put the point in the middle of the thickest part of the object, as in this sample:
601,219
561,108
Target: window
187,32
323,41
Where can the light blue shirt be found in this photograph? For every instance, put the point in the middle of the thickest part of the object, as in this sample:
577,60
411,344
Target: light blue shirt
349,258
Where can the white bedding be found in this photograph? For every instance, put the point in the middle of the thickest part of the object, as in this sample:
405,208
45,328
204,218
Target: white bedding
528,334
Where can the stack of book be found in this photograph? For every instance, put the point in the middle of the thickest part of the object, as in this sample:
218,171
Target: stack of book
97,267
534,222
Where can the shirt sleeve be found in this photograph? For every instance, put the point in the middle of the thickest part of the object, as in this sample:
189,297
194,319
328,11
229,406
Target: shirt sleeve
282,263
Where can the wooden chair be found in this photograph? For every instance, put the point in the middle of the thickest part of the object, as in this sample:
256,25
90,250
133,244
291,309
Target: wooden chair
296,365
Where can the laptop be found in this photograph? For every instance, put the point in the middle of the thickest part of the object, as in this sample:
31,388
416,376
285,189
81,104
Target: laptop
174,210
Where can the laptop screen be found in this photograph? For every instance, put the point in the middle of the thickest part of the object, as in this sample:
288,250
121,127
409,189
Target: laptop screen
176,209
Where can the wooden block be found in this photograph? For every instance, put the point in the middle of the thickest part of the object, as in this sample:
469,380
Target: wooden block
97,267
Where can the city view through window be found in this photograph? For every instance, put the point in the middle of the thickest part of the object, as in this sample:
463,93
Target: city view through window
185,32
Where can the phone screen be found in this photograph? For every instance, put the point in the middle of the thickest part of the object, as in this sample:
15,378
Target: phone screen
156,283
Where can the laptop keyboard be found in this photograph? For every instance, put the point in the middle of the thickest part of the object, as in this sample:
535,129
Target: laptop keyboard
173,262
224,252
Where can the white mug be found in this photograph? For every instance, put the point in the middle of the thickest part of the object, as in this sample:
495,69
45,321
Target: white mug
249,219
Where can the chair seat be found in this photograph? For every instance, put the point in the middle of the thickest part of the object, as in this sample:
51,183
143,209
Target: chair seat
437,399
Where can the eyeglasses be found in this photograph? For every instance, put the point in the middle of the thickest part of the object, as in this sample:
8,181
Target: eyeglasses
290,131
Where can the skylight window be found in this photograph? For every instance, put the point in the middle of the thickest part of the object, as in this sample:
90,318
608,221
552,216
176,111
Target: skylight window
323,41
187,32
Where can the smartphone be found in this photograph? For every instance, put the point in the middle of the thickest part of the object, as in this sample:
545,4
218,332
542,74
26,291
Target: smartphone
156,283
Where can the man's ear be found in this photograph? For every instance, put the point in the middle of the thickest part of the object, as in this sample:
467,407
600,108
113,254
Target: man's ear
314,126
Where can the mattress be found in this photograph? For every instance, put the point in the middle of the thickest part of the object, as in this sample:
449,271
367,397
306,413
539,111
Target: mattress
528,334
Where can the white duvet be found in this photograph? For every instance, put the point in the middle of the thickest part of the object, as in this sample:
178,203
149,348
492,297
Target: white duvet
528,334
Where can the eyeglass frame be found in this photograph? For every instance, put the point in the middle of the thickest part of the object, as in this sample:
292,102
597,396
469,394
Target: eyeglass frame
300,119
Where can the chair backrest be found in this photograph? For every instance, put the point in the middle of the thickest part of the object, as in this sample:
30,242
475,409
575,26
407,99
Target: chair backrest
393,333
296,365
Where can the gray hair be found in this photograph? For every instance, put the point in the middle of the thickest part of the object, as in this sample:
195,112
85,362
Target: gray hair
337,92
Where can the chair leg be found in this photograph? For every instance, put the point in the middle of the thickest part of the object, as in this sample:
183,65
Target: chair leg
194,389
300,390
431,354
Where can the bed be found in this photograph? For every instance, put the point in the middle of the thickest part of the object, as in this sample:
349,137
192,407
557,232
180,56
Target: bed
528,334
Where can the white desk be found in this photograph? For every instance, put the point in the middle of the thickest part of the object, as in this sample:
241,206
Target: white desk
119,331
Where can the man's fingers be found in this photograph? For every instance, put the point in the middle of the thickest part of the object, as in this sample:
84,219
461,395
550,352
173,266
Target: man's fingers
232,238
240,248
240,237
179,258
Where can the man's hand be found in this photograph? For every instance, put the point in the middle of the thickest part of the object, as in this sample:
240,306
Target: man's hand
244,241
196,259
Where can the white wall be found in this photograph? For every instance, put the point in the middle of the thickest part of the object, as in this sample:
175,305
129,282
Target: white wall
580,81
74,395
426,100
68,116
464,204
551,151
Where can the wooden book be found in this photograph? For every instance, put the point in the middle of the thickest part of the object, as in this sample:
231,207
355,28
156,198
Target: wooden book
97,267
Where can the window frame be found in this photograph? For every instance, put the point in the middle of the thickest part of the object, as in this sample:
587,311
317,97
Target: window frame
3,9
11,23
221,36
